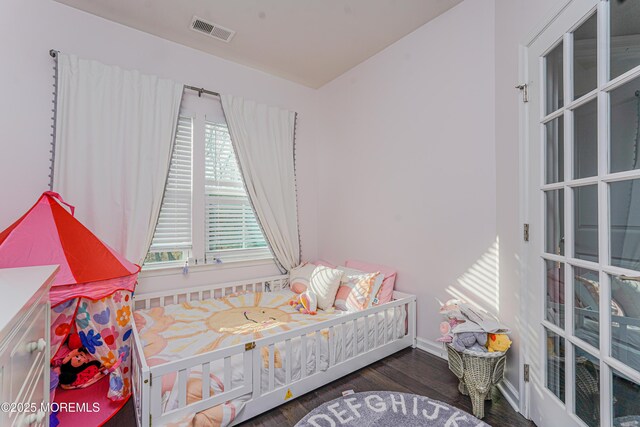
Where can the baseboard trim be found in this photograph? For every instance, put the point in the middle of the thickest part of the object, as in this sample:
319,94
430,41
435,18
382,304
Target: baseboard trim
507,389
510,393
432,347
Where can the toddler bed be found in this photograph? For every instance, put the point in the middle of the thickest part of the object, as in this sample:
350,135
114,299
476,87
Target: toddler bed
222,354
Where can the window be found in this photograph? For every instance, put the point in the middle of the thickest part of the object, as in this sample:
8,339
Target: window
231,225
205,216
172,238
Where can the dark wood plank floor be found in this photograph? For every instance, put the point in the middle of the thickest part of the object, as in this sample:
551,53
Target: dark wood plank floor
409,371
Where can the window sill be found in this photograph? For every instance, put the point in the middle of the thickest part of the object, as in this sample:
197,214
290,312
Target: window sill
174,269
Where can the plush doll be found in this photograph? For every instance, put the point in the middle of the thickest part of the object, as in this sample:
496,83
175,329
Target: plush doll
498,342
451,309
306,303
446,328
79,369
474,341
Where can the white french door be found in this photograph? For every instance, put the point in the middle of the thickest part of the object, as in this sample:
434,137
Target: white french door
583,197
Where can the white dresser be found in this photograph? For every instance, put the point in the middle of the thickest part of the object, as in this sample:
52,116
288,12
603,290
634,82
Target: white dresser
24,345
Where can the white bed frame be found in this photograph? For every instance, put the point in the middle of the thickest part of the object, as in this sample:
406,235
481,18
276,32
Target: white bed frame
147,381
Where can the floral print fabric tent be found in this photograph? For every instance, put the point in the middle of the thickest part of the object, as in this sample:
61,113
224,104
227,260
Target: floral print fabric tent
91,293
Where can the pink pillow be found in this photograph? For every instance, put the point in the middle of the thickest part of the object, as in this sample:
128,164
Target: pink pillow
386,290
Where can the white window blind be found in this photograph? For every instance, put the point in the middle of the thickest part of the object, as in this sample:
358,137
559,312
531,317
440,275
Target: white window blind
223,221
173,231
230,224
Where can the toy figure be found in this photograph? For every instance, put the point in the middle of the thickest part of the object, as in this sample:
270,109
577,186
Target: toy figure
306,303
446,329
451,309
498,342
79,369
474,341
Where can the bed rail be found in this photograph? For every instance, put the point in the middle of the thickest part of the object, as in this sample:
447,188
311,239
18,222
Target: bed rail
202,363
368,331
374,334
160,299
140,381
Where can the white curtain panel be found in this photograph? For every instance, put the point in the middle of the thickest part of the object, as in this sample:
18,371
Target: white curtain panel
114,137
263,139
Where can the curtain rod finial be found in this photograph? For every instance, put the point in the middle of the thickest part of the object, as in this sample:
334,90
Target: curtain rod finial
53,53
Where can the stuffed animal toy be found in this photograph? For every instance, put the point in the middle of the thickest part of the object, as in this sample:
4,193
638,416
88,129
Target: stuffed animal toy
446,328
79,369
498,342
474,341
451,309
306,303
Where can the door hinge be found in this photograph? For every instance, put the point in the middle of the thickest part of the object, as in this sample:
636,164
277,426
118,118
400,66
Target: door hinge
526,372
524,88
525,232
249,346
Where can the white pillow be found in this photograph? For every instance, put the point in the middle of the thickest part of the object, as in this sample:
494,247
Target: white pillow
325,282
300,276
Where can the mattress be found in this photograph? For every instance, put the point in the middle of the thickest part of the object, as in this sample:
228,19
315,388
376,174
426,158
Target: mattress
176,331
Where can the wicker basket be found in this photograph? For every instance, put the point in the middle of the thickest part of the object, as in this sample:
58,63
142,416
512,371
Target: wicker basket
478,374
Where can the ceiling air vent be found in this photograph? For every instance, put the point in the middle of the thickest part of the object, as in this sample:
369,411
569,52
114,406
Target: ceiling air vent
213,30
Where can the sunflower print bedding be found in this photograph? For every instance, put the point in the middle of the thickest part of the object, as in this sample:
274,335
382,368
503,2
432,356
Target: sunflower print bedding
176,331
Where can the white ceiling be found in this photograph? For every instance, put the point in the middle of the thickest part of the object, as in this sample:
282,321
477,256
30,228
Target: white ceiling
306,41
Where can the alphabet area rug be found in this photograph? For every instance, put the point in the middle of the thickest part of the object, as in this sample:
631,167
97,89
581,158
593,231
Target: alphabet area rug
384,408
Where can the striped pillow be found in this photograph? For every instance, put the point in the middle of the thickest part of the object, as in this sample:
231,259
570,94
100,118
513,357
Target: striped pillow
388,281
356,292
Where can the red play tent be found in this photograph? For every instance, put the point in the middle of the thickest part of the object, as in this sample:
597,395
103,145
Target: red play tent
91,293
49,234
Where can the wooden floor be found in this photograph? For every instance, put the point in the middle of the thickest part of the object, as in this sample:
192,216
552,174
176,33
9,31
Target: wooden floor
410,371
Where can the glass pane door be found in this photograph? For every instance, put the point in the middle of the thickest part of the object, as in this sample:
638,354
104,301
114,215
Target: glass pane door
586,199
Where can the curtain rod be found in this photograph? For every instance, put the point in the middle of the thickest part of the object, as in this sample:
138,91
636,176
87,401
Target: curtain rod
200,90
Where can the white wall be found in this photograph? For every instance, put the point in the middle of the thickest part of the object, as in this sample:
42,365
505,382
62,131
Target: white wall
425,138
407,163
28,29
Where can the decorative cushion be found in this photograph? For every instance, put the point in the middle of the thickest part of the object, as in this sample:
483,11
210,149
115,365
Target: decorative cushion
325,282
386,290
300,276
357,291
348,272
